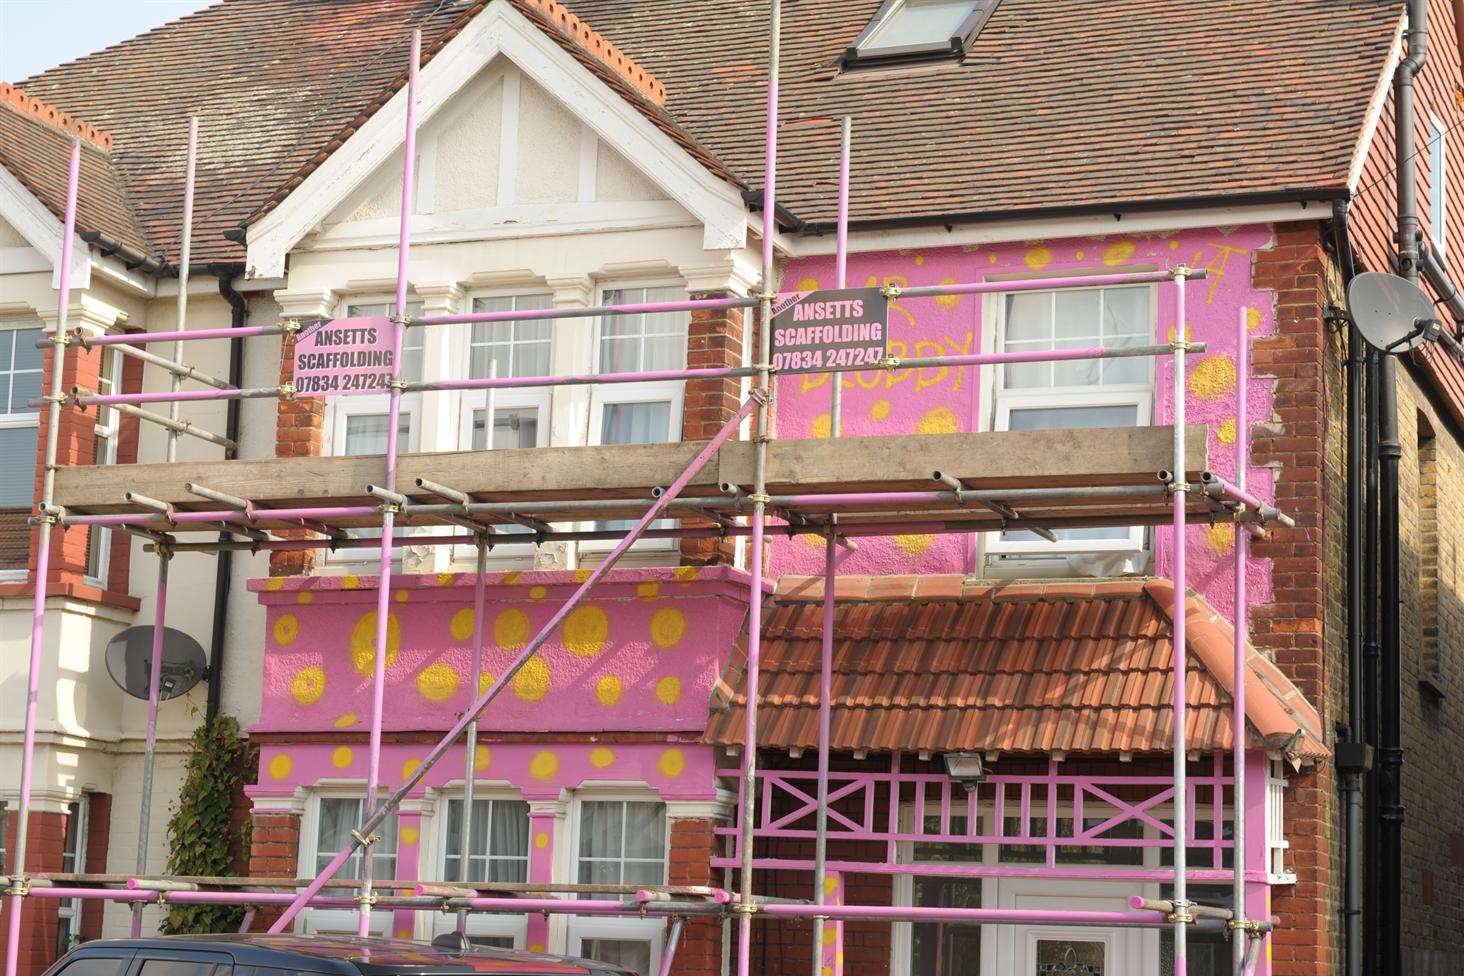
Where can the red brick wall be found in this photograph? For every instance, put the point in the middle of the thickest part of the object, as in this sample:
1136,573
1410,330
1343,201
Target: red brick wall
714,339
692,847
299,432
274,853
38,916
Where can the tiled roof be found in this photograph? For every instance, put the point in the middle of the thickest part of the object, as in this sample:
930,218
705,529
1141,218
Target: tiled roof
941,663
35,146
278,85
1082,103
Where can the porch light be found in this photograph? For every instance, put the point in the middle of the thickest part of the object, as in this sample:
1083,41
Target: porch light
965,768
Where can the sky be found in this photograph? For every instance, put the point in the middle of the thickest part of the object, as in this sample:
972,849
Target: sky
38,34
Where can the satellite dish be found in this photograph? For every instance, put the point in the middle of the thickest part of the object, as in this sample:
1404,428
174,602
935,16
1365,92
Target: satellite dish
129,662
1392,313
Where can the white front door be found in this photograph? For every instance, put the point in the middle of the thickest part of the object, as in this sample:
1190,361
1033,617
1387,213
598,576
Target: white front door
1069,950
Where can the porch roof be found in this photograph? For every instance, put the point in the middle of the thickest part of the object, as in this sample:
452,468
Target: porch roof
943,663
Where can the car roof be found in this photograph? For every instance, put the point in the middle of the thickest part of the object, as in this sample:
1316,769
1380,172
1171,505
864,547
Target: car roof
352,955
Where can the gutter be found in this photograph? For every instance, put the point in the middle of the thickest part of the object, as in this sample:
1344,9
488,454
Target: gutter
110,247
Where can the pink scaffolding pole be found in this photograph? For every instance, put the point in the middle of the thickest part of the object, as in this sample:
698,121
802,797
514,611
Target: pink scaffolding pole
1237,716
389,509
184,247
1180,488
470,745
47,519
381,812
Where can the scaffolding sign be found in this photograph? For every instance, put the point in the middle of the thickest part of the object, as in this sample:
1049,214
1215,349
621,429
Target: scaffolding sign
346,357
842,328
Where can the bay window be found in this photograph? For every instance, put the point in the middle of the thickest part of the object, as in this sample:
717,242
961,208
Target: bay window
105,431
20,382
330,820
619,842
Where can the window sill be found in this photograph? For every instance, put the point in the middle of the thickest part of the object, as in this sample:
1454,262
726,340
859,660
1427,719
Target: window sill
73,590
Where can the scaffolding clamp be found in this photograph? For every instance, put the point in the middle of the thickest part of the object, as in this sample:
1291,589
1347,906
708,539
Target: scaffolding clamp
365,840
290,326
19,887
1249,926
366,898
287,391
397,386
892,291
1181,914
889,362
760,499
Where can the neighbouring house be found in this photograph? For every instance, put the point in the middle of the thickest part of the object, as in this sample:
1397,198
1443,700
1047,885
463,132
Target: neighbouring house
594,152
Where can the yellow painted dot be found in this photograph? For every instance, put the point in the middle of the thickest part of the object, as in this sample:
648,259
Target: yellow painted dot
1038,257
822,425
948,301
668,690
831,935
672,763
808,284
828,971
532,681
485,681
512,577
914,545
409,767
350,582
308,685
813,540
668,626
1188,333
286,629
580,575
438,682
585,631
401,596
1252,318
1220,537
280,766
341,757
1079,255
410,835
345,720
879,410
461,625
1174,245
991,258
539,946
600,757
405,932
1226,433
941,420
538,592
541,840
919,260
305,597
446,579
831,885
274,583
607,689
686,574
511,629
1117,253
1213,378
363,642
482,758
544,765
648,590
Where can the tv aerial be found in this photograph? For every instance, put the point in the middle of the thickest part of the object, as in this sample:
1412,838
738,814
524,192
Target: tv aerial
1394,315
129,662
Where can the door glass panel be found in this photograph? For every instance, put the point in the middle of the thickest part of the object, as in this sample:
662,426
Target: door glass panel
631,953
1071,957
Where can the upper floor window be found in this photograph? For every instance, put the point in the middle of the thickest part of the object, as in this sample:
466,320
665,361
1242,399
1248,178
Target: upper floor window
105,435
1079,393
919,29
1438,188
510,348
21,364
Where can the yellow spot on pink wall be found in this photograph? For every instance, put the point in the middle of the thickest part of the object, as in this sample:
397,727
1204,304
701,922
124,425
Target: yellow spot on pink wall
286,629
363,642
538,592
1188,334
940,420
274,583
821,426
672,763
308,685
539,946
1226,433
830,935
668,626
512,577
914,545
948,301
305,597
607,689
1252,318
544,765
812,540
342,757
919,259
485,681
668,689
405,932
1174,245
461,625
511,629
686,574
1213,378
648,590
1220,537
831,885
409,767
401,596
1037,257
410,835
482,758
345,720
446,579
1078,256
600,757
991,257
1117,253
438,682
580,575
879,410
541,840
585,631
350,582
531,683
808,284
280,766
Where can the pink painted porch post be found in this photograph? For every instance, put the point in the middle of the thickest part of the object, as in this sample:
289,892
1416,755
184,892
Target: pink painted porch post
831,940
543,817
1257,887
408,864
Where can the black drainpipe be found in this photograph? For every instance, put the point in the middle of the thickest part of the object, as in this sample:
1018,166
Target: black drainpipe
224,573
1353,757
1390,451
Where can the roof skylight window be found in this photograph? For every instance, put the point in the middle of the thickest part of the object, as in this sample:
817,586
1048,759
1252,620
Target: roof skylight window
904,30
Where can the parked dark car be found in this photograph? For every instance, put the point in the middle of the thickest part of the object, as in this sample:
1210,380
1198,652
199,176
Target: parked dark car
280,955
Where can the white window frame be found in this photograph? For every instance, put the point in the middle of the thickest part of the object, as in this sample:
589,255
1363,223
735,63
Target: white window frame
1438,189
1000,402
581,927
312,920
68,910
487,924
24,418
902,941
346,406
107,430
502,399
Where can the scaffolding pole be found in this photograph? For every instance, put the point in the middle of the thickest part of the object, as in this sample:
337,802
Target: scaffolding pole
1181,916
185,245
1241,559
470,744
154,689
